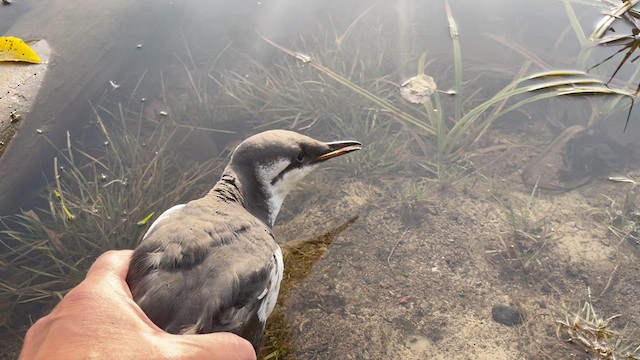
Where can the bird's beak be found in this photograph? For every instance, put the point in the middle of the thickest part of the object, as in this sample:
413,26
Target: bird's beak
337,148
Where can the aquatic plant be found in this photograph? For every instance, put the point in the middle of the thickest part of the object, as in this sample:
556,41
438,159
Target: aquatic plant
528,235
95,203
444,126
385,146
628,42
622,218
591,333
291,95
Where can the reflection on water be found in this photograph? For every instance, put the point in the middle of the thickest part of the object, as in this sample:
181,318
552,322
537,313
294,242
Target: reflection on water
447,229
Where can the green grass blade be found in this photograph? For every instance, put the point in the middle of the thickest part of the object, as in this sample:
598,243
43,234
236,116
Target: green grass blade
575,23
457,60
384,104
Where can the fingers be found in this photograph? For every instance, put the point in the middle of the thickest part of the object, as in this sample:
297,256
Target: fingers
114,262
225,346
35,337
105,278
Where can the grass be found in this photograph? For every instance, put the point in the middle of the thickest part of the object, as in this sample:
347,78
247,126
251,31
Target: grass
529,233
622,218
331,76
95,203
593,335
385,146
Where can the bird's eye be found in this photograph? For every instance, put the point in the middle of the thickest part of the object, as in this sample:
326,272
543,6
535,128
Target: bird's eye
300,157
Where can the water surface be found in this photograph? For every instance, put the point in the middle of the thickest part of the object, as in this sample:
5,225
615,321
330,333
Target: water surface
156,94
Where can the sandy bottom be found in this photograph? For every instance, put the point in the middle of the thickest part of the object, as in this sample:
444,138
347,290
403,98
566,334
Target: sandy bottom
418,274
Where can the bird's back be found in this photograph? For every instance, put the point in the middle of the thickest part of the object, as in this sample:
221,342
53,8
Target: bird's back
207,268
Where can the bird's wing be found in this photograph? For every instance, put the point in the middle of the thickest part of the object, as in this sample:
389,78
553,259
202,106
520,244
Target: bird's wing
269,295
163,216
194,275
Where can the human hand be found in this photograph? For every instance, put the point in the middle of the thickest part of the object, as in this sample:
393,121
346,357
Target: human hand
98,319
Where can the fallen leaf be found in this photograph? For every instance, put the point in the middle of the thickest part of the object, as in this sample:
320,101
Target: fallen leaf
418,89
144,221
14,49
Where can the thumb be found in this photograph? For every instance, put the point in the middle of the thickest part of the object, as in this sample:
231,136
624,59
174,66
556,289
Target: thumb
218,346
113,264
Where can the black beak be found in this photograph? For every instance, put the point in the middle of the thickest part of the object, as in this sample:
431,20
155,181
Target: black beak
338,148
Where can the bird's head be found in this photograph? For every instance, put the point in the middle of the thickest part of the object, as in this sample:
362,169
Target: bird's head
271,163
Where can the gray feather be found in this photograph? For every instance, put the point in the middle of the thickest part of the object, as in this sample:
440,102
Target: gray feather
203,269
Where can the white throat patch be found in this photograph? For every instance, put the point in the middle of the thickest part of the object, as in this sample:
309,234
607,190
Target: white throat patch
278,191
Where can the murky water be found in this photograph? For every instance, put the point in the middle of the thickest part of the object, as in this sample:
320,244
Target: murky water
476,243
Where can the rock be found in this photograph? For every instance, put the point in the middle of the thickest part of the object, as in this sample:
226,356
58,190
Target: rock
507,315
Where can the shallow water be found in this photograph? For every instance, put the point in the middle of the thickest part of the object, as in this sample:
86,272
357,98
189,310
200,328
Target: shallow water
526,216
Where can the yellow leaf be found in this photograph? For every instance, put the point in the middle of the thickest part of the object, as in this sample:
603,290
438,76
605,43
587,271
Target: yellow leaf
14,49
144,221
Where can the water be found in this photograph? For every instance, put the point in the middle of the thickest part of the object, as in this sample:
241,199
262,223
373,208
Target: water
157,93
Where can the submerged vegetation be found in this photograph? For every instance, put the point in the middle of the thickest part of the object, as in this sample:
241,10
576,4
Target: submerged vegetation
95,203
331,78
622,218
529,233
594,335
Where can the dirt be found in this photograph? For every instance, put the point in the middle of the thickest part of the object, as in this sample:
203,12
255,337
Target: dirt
417,278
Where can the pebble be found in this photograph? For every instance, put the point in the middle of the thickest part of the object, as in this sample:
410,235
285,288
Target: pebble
507,315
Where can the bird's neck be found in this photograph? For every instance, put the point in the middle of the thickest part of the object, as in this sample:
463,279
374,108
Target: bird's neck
249,194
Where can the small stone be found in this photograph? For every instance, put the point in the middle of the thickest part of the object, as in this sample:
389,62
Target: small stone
507,315
14,116
164,113
139,46
39,131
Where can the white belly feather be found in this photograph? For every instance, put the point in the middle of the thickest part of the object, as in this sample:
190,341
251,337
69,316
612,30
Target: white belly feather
270,293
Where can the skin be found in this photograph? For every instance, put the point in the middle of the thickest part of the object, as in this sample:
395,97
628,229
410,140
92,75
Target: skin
98,319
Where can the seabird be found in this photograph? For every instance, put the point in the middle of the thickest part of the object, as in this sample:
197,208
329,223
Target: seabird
212,264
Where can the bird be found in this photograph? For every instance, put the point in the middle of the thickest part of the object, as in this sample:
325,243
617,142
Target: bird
213,264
